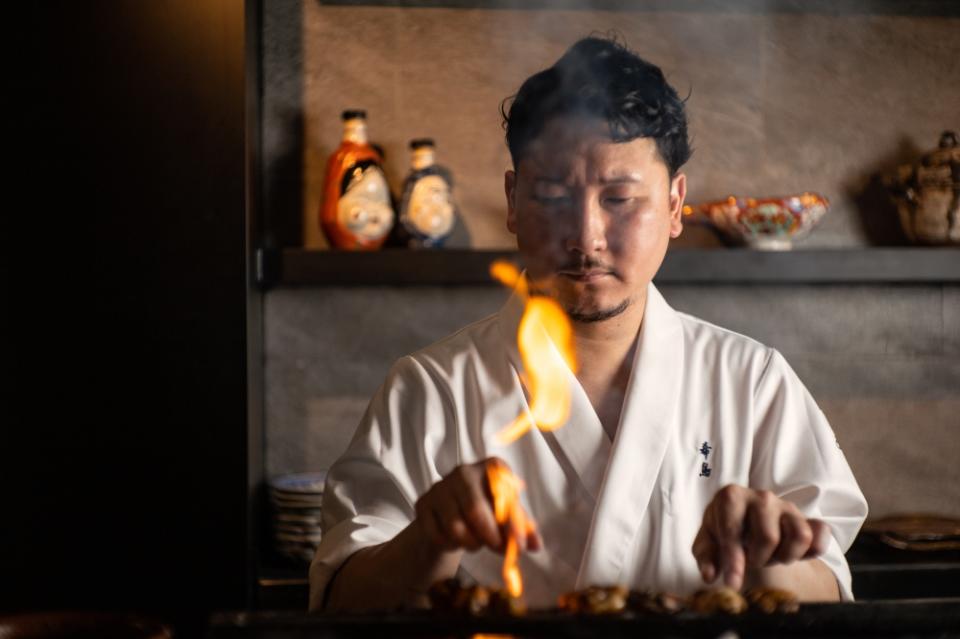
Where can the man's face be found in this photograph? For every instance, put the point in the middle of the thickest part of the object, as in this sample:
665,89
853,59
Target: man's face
592,217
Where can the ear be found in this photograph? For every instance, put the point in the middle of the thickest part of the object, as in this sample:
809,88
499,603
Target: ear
678,193
510,190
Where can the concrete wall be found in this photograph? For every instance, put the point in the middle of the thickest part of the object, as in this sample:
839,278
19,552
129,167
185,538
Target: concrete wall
779,103
883,362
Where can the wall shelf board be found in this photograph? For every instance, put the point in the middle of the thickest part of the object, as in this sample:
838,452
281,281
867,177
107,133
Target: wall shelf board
398,267
944,8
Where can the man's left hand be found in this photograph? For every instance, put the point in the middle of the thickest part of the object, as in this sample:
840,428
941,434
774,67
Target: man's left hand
745,529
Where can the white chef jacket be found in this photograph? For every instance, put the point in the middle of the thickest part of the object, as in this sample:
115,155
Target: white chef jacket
704,407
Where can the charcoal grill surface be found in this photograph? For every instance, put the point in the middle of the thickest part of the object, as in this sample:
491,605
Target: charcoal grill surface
901,618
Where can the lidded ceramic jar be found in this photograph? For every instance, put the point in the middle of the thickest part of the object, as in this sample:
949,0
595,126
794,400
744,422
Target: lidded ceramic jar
928,194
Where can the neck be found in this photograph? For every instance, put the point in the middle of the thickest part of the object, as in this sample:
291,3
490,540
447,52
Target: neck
605,354
615,335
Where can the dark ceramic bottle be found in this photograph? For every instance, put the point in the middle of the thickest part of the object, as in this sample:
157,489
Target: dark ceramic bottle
428,213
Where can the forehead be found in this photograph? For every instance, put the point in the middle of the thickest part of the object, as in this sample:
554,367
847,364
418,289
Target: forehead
572,147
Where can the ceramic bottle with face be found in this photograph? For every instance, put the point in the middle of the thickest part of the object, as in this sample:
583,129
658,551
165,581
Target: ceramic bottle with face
427,211
357,213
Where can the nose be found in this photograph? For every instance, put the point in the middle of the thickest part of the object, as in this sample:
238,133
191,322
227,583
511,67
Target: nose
587,232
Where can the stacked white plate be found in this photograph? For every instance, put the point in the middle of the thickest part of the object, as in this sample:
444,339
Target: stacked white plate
296,502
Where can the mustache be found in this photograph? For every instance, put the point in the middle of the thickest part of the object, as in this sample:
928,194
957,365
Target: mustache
586,263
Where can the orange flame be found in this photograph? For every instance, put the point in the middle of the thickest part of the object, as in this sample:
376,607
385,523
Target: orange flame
545,342
506,487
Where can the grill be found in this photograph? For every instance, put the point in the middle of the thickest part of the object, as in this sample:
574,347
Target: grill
901,618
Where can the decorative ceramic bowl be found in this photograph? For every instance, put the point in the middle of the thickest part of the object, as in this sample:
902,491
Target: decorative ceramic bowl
769,224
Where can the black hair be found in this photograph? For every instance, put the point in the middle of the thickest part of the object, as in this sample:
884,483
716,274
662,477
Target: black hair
599,77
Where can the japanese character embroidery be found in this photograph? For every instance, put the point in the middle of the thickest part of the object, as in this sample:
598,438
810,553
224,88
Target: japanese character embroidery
705,449
705,469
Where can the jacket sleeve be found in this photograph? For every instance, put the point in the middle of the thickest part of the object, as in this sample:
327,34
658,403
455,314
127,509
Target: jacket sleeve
402,446
796,455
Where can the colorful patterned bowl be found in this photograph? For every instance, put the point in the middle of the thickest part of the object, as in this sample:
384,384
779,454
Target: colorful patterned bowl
768,224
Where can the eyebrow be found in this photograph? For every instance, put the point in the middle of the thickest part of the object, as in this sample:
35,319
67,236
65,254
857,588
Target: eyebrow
614,179
618,179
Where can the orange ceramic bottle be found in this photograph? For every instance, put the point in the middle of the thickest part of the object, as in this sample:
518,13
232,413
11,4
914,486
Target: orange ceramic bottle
357,213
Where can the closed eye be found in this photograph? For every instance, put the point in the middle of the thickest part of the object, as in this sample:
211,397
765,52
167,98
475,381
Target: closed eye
551,200
619,203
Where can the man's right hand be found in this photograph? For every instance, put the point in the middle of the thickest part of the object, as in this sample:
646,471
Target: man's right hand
455,515
457,512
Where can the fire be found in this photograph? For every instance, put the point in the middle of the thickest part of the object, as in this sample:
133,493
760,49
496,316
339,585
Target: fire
505,488
545,342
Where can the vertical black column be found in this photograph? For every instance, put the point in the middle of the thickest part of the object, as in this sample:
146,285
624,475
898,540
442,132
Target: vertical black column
125,425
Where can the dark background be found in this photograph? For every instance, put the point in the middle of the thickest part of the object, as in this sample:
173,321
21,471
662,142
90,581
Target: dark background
125,460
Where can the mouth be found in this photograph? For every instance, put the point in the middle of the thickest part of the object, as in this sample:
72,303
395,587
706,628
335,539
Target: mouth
588,275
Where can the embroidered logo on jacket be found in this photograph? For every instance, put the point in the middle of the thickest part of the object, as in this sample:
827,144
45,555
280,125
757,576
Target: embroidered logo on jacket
705,469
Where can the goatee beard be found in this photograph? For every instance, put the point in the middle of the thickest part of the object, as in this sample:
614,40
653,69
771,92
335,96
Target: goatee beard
598,316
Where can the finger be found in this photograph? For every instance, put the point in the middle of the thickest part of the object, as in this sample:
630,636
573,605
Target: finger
705,552
796,536
476,509
429,523
516,529
534,541
466,537
462,527
445,535
451,524
524,529
763,528
730,506
735,567
821,538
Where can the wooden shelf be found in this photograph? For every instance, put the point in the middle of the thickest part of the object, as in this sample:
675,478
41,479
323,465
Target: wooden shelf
397,267
824,266
944,8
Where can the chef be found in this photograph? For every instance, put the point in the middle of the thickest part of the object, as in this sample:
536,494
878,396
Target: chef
691,455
